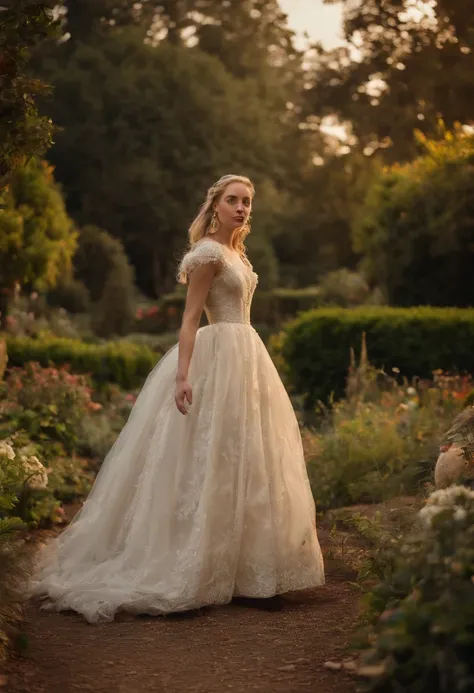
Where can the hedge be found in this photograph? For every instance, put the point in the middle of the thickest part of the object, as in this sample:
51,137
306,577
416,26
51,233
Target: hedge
271,308
314,349
122,363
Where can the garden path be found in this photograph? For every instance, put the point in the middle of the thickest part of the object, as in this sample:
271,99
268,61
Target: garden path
232,648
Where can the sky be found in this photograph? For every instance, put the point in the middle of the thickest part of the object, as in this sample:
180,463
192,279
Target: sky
322,22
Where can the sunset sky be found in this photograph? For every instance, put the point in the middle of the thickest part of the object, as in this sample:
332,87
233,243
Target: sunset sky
322,22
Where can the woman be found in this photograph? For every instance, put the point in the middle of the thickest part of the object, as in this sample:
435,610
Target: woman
205,495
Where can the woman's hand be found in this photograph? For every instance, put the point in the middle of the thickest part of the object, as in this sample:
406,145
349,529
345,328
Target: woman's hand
183,395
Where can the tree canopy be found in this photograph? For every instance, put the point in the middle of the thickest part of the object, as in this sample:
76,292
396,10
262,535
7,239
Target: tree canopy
416,229
23,131
37,237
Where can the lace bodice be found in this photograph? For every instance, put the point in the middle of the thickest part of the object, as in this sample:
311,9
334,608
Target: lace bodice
230,296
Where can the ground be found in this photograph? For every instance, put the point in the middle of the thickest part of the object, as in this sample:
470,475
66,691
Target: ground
232,648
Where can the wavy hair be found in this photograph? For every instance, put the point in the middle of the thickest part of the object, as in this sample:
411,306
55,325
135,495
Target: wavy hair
201,224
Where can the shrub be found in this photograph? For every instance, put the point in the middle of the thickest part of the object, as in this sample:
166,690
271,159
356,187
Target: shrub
115,312
314,349
344,288
383,440
423,625
70,294
48,403
98,253
118,362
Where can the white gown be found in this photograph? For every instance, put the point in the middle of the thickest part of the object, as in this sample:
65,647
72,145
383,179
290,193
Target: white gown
192,510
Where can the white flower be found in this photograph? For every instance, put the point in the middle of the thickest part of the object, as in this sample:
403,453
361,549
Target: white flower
460,514
427,513
411,392
38,477
448,496
7,450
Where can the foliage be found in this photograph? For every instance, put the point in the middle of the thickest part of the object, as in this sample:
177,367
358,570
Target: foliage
37,239
70,294
146,133
416,228
344,288
23,131
47,403
422,635
118,362
382,440
404,64
97,255
315,348
115,313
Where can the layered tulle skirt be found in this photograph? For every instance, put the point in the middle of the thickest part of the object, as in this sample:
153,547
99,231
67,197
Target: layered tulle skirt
192,510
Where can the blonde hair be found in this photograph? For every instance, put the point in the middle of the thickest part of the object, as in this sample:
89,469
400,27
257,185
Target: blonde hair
200,226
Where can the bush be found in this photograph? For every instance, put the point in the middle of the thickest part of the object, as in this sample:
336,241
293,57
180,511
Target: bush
383,440
422,637
47,403
70,294
314,349
115,312
117,362
98,253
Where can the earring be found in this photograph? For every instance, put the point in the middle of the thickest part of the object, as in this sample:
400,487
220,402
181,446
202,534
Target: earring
213,227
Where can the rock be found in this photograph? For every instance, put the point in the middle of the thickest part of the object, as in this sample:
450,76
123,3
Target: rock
350,665
450,466
287,667
333,666
371,670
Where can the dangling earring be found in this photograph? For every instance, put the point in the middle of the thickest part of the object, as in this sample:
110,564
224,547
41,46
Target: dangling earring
213,227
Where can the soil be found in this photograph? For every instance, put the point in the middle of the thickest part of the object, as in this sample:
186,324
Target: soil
236,647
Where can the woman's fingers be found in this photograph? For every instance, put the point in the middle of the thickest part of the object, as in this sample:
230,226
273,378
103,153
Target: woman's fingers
189,395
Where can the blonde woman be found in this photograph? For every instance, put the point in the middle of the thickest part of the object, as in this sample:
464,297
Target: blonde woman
204,497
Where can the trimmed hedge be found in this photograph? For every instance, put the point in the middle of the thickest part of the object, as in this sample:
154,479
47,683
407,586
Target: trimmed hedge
314,349
122,363
271,308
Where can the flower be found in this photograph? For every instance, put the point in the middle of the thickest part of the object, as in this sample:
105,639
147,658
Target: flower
460,514
7,450
37,476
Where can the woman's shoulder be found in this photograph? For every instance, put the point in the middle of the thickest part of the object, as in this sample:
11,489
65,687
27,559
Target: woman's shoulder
202,252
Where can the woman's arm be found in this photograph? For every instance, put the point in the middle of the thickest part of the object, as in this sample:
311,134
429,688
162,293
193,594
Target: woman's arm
200,280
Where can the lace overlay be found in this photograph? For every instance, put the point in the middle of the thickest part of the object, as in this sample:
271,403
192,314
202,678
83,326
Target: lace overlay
192,510
230,296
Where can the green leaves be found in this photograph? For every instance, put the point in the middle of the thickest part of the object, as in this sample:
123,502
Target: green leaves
23,131
416,228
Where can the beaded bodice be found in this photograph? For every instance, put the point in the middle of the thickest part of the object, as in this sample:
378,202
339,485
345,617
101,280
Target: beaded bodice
230,296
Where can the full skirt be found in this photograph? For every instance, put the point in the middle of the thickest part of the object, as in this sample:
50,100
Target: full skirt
192,510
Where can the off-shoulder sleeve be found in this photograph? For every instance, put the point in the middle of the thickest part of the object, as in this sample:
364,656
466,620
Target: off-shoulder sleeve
201,254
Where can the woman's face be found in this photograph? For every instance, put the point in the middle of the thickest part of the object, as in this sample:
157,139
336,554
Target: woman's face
234,206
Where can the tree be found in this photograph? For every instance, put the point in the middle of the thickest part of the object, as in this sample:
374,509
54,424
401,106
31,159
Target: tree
115,313
23,132
37,238
97,255
146,130
416,229
406,64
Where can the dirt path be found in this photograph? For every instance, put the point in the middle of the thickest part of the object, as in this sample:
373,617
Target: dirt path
232,648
